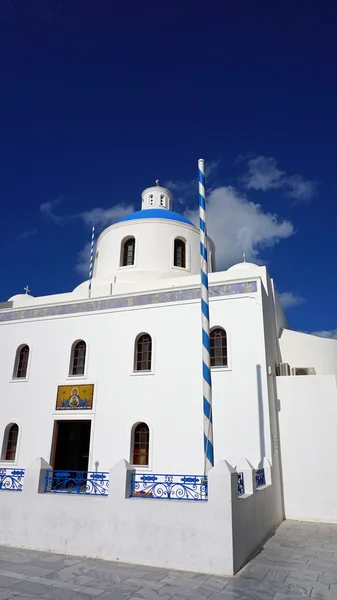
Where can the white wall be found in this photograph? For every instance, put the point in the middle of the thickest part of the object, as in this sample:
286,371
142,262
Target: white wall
308,426
153,250
304,350
184,535
255,515
169,399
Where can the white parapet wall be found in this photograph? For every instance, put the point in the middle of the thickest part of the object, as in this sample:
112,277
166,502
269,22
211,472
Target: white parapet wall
308,434
215,536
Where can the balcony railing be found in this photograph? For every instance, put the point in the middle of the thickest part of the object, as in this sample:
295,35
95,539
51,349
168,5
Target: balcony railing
169,487
77,482
241,484
11,480
260,478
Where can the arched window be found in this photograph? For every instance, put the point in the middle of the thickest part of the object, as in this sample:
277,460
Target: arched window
78,353
140,446
21,362
128,252
179,253
218,348
10,441
143,353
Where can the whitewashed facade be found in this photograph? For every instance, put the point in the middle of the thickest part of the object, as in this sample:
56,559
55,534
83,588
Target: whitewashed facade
147,283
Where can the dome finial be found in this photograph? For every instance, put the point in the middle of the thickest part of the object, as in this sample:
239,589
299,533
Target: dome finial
244,257
157,181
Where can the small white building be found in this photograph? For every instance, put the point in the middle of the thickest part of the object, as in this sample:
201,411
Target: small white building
110,380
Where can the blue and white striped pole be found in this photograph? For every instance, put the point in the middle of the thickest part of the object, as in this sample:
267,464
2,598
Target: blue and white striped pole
91,257
206,357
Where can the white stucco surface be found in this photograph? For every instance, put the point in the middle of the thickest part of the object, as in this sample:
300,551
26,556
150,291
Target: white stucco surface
185,535
304,350
285,424
168,399
308,425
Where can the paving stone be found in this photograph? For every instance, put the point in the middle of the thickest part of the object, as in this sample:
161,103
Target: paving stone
281,596
228,596
299,590
13,575
262,590
5,594
30,587
277,575
255,572
184,581
25,568
328,595
213,585
327,578
61,594
148,594
295,576
70,572
6,582
299,561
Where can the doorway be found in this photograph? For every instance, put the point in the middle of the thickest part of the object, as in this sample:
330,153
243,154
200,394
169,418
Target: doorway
71,446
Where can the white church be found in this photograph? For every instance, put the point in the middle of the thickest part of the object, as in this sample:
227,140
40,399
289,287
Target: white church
101,419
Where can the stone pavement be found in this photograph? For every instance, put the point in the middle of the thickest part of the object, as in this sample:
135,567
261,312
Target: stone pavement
299,561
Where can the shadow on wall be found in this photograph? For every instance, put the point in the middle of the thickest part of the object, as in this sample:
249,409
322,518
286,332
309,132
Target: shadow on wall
276,443
261,414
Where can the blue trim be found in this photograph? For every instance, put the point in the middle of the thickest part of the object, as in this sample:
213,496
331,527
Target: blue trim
260,478
78,307
208,449
207,409
156,213
169,487
206,374
201,178
11,479
205,340
77,482
241,484
204,280
205,309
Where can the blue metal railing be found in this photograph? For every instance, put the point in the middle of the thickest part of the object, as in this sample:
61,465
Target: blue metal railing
77,482
241,484
11,479
169,487
260,478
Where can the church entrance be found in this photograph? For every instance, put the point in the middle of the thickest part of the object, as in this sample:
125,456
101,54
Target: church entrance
71,446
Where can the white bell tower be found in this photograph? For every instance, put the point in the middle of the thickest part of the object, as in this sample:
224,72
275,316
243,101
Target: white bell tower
156,197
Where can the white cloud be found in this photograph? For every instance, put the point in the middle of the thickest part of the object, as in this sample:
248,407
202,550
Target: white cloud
82,262
289,300
300,189
103,217
237,225
326,334
100,217
264,174
184,190
26,234
47,209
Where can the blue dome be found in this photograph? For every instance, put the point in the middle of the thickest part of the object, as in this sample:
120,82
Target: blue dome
157,213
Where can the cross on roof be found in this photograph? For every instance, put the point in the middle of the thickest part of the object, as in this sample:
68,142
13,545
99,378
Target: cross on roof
26,289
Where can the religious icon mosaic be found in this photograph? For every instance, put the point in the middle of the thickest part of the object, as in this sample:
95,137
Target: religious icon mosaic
71,397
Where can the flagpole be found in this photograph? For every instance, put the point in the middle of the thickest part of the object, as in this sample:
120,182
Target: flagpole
206,357
91,258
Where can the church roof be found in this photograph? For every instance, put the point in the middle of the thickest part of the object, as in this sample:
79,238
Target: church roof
157,213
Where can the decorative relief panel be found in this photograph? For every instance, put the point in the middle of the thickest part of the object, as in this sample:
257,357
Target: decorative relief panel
230,289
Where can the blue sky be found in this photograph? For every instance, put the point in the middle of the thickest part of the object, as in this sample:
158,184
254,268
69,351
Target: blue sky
99,99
